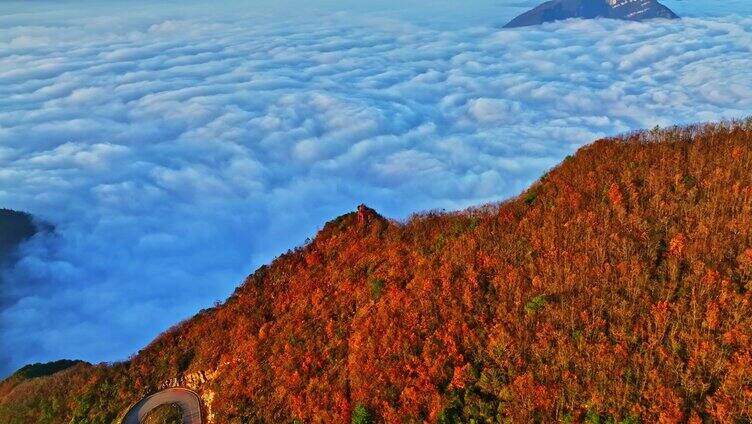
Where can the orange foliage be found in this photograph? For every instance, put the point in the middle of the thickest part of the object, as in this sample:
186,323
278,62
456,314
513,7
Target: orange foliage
629,300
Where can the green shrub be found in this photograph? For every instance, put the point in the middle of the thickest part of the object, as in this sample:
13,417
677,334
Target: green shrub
360,415
464,225
631,419
592,417
530,197
536,303
376,286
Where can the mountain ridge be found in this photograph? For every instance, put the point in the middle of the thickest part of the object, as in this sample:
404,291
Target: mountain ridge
578,300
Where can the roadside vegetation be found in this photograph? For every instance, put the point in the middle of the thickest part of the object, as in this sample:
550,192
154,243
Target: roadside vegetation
169,413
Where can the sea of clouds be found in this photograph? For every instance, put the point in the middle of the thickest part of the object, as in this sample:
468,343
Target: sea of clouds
175,150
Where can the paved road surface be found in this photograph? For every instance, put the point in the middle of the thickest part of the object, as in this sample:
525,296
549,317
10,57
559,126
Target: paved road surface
188,401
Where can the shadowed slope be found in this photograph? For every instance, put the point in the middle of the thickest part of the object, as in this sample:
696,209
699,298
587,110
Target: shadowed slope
41,370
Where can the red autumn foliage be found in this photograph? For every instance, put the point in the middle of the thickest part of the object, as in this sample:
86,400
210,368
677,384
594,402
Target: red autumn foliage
619,287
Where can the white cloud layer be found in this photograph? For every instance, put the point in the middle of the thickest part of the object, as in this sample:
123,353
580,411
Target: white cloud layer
175,155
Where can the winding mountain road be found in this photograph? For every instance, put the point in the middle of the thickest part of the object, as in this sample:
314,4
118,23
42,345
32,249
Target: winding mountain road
188,401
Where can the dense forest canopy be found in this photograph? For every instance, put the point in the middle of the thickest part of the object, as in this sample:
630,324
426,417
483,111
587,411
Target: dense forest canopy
618,288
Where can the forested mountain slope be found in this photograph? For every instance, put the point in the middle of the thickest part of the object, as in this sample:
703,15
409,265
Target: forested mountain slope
617,287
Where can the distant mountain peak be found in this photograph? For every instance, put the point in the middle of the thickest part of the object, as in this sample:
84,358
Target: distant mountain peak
15,227
556,10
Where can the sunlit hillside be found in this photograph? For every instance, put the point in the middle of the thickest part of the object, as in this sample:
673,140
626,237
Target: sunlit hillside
618,287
